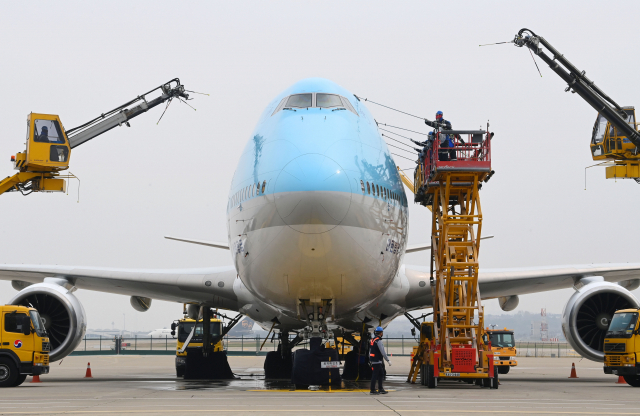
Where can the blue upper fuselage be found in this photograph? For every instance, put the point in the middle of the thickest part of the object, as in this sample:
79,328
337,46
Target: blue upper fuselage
285,133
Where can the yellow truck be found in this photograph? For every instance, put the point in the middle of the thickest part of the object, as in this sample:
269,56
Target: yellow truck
503,345
24,345
622,346
189,358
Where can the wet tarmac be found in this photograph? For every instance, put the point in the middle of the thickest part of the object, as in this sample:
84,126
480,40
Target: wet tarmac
147,385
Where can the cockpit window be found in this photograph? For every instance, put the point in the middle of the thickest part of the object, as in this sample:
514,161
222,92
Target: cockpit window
328,100
321,100
348,105
299,101
280,106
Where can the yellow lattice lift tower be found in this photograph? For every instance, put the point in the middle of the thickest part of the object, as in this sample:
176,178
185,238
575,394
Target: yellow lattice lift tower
448,180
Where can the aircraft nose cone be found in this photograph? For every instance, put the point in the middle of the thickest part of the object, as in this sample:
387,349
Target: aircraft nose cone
312,194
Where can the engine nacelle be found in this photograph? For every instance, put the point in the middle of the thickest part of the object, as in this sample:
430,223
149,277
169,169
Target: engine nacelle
588,312
62,313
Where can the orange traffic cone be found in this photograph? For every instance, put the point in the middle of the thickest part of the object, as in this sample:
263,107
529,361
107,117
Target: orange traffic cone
621,380
573,371
88,374
36,379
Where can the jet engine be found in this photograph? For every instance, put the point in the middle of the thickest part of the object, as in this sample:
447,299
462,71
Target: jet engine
62,313
588,312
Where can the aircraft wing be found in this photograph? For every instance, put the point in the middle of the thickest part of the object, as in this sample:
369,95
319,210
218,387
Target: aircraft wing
495,283
213,284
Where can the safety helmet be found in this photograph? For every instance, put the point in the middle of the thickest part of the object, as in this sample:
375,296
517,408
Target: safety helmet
378,329
439,115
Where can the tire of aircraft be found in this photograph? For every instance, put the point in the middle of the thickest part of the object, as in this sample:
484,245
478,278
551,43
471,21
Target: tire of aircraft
633,381
503,369
8,372
214,367
276,367
350,371
21,378
307,369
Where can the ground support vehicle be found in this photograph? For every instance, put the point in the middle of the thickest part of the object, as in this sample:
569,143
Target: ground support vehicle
448,181
503,345
615,139
622,346
195,357
24,345
48,144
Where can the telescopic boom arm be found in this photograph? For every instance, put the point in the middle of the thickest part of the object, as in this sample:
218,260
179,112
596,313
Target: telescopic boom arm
578,82
121,115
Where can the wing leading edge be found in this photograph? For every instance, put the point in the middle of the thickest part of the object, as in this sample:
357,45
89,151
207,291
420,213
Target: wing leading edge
215,284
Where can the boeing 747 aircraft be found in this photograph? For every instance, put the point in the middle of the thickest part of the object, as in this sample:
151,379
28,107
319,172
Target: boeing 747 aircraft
318,224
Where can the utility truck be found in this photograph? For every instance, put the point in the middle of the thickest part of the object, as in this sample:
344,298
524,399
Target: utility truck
200,351
622,346
24,345
503,345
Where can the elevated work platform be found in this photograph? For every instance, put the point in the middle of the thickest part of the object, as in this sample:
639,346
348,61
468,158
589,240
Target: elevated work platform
448,180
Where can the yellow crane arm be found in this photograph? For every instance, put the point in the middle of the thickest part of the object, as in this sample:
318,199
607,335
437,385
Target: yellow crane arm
11,181
407,182
32,181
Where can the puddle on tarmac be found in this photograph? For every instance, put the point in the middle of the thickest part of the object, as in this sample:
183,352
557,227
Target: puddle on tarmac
258,383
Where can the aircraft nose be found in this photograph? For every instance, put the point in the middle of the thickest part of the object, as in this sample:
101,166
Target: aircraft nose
312,194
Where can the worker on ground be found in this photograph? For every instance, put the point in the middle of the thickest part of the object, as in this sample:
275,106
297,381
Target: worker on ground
445,139
376,354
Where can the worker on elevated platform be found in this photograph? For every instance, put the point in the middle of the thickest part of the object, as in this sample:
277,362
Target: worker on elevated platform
376,354
445,139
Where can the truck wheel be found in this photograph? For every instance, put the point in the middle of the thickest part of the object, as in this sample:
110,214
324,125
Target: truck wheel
180,371
633,381
432,382
8,372
20,379
494,380
503,369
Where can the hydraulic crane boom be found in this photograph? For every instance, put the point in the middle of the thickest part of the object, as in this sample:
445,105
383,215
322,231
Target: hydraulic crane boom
579,83
49,146
121,115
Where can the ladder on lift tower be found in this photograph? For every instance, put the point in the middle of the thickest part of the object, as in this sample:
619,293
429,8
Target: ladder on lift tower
448,181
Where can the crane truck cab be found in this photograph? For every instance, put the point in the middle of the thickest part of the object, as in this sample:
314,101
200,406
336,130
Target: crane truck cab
503,345
609,142
192,354
24,345
622,346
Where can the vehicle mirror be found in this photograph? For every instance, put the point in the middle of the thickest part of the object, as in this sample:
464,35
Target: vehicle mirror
173,327
24,323
173,333
413,332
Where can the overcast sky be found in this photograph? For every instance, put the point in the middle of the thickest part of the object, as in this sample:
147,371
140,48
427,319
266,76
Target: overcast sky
80,59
